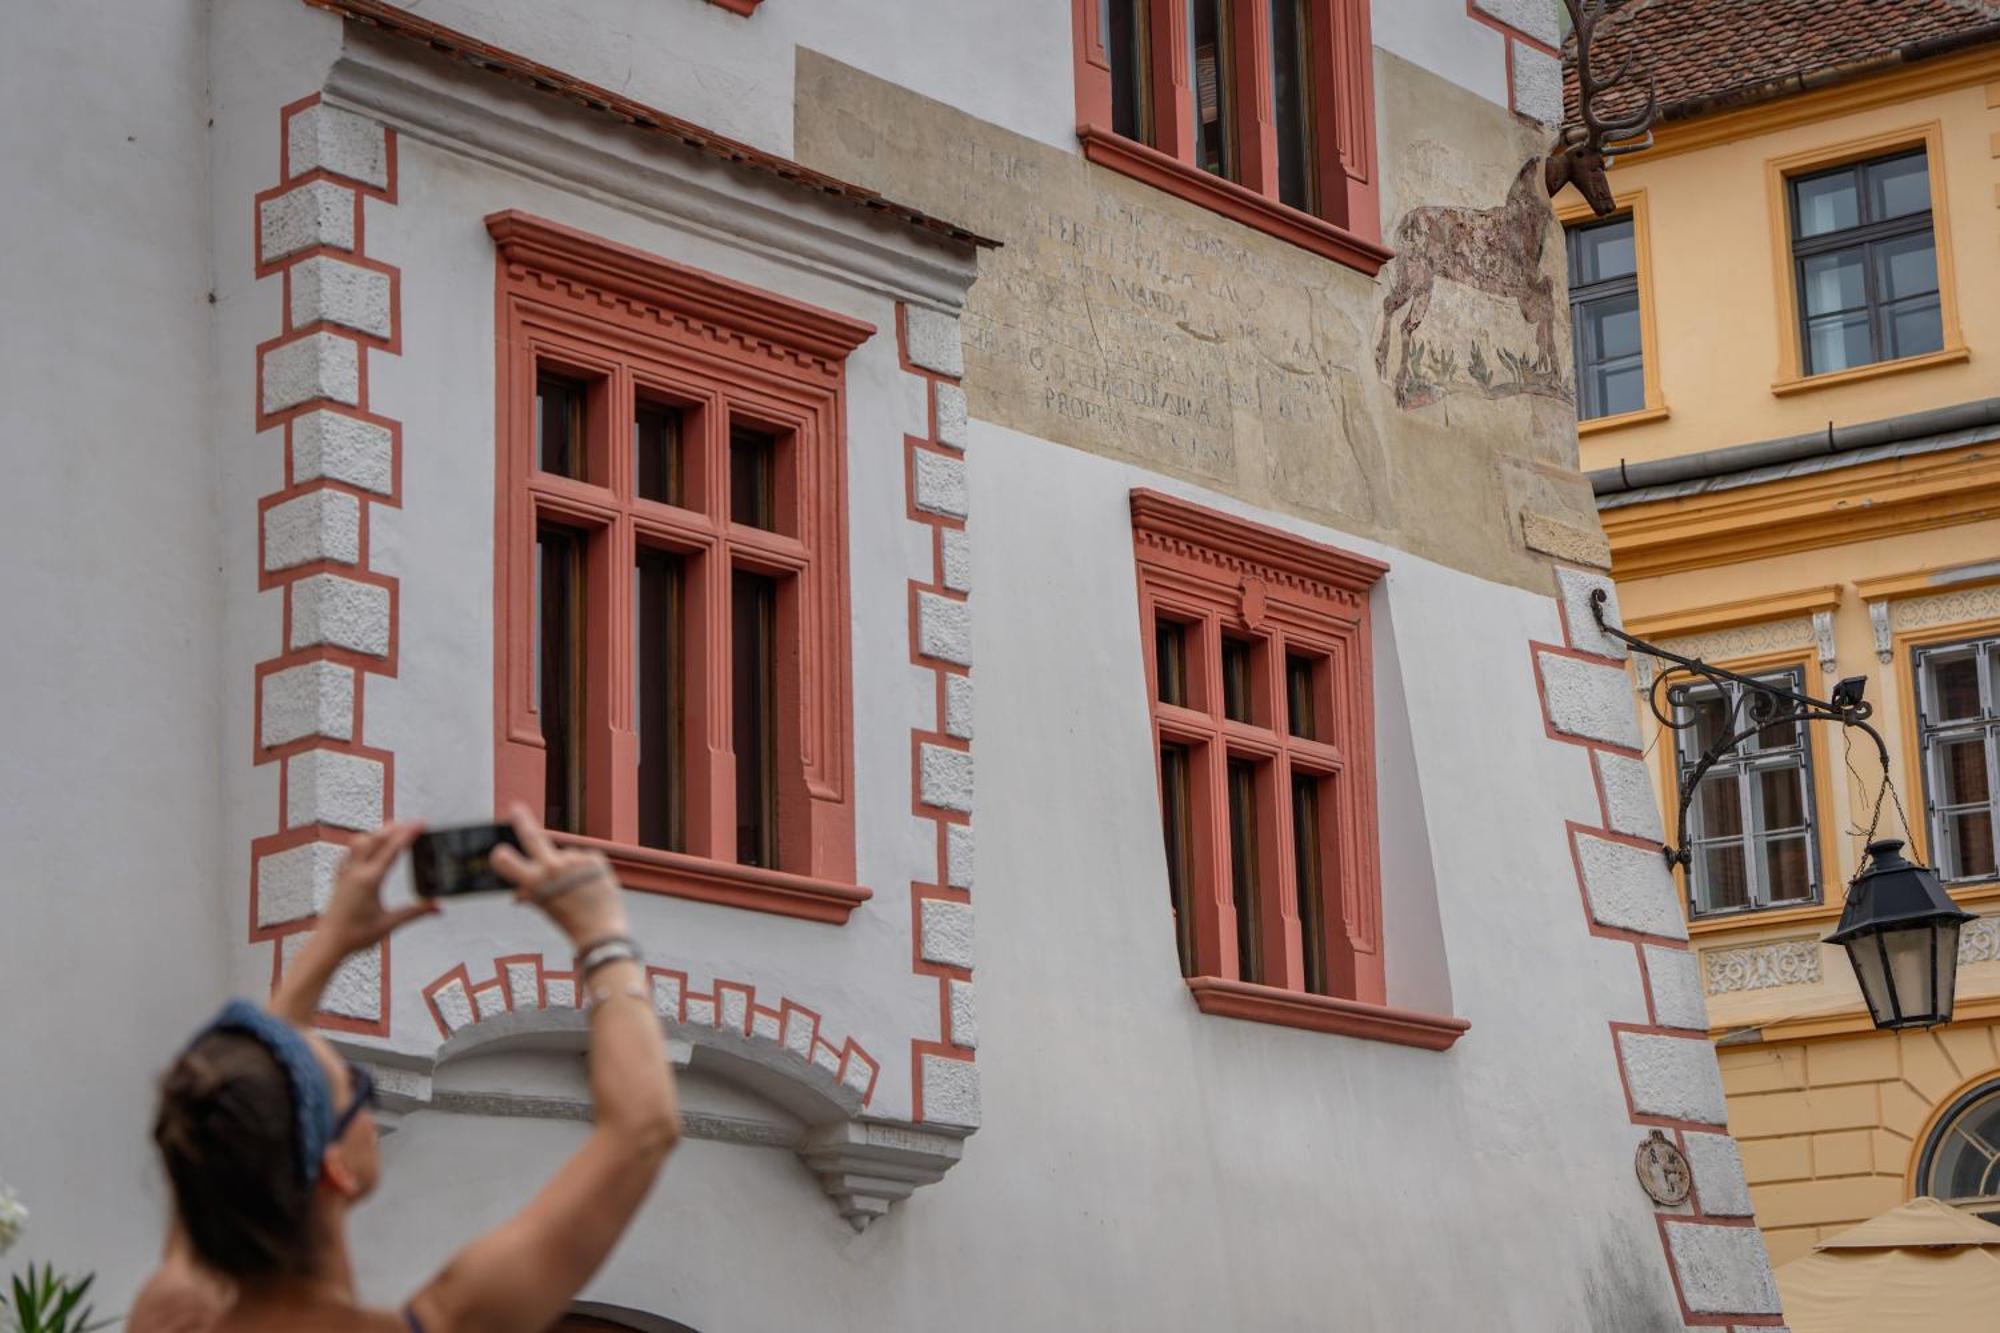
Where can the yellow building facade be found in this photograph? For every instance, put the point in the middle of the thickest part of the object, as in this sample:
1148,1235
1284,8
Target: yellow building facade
1796,450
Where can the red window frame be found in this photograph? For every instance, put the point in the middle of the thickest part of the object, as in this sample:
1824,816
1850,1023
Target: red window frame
1347,227
1220,578
630,322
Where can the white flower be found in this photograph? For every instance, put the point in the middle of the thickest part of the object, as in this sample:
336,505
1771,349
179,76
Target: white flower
13,1217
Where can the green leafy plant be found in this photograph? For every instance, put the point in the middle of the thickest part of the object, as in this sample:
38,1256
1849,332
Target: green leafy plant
47,1302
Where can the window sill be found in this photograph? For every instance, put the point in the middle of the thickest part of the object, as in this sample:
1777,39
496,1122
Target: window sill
1152,167
1323,1013
1756,918
1874,370
753,887
1597,424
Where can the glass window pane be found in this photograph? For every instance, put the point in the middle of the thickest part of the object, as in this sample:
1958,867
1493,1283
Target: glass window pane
1961,772
1611,327
1968,845
1621,390
1787,867
753,666
559,615
1913,328
1779,796
656,435
753,456
1606,251
1243,868
559,425
1836,343
1899,187
1306,855
1777,735
1833,282
1300,707
1170,662
1966,1164
660,649
1826,203
1177,819
1710,714
1905,266
1721,879
1209,78
1236,680
1291,100
1122,25
1717,807
1953,680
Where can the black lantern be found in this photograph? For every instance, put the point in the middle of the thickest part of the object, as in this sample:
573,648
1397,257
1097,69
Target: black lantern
1900,930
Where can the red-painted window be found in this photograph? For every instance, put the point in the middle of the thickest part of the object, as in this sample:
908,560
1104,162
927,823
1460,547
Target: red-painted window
1263,723
673,679
1262,110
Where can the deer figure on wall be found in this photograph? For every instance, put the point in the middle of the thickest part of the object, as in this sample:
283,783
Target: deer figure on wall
1499,250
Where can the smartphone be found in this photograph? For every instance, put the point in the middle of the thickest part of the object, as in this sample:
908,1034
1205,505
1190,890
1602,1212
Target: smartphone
446,862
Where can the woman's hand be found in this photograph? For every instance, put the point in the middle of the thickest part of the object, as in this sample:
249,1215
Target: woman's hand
576,889
354,917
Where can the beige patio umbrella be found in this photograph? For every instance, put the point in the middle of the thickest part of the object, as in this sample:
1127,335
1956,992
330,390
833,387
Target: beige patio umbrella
1922,1266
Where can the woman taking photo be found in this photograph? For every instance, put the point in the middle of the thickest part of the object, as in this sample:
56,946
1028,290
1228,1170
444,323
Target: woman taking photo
269,1143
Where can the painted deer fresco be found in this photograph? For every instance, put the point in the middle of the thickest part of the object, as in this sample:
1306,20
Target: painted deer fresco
1499,250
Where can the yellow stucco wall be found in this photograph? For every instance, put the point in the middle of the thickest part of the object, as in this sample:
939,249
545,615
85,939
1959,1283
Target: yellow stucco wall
1831,1116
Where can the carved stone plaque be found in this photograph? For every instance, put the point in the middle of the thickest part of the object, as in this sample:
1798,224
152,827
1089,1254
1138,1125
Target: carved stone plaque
1663,1170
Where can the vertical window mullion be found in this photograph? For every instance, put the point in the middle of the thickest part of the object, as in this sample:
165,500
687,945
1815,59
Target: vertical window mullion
1171,98
1256,131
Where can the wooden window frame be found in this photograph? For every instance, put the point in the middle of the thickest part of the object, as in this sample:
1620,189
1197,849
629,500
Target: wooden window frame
1218,576
1347,226
632,321
1633,204
1779,172
1930,732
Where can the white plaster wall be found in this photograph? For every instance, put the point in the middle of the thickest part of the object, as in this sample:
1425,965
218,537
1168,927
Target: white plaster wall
1438,35
1143,1166
110,684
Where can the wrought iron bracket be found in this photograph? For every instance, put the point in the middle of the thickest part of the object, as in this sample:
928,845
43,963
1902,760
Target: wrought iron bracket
1757,703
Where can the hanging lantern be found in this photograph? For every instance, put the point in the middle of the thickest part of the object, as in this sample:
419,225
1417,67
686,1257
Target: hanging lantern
1900,930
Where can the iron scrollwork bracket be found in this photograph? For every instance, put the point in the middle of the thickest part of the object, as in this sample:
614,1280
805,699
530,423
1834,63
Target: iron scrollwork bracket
1754,705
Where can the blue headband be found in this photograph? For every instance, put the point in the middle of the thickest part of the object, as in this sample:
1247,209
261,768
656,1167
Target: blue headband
312,1099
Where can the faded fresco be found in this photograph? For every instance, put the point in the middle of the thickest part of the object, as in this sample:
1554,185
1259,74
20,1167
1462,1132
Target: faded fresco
1123,321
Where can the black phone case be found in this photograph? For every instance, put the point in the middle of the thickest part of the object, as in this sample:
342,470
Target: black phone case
447,862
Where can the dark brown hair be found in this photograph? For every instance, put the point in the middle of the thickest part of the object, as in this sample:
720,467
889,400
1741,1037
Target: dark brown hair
225,1131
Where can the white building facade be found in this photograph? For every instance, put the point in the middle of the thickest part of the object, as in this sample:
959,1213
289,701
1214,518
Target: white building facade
871,467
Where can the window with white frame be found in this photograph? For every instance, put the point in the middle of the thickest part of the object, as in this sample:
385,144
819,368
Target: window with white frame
1751,820
1958,721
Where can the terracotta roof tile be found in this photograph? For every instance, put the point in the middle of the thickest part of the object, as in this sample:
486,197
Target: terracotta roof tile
1707,54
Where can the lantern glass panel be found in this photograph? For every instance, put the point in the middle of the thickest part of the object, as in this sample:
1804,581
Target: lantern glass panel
1911,969
1946,934
1866,955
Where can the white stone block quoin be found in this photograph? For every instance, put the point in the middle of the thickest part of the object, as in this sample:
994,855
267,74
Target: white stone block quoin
1629,888
944,628
958,855
945,778
524,989
492,1001
454,1005
1538,84
342,613
1718,1175
343,448
958,706
1575,587
355,989
319,365
957,559
1673,1076
857,1073
312,699
333,290
1589,700
319,525
1675,978
933,339
945,933
951,1092
322,137
1629,803
964,1016
317,213
940,482
1535,18
296,883
951,415
1723,1270
332,787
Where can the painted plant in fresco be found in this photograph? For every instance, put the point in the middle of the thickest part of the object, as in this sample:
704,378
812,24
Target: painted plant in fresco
1493,250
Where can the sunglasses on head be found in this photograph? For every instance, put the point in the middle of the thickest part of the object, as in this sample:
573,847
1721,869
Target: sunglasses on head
363,1084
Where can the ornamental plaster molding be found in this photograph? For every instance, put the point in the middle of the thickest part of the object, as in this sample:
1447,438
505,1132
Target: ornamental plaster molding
1793,962
1723,645
1822,625
1979,941
1878,622
1945,608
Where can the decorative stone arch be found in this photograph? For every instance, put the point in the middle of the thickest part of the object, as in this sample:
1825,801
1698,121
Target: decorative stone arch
773,1047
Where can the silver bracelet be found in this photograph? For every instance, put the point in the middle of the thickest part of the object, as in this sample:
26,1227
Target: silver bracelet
617,949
